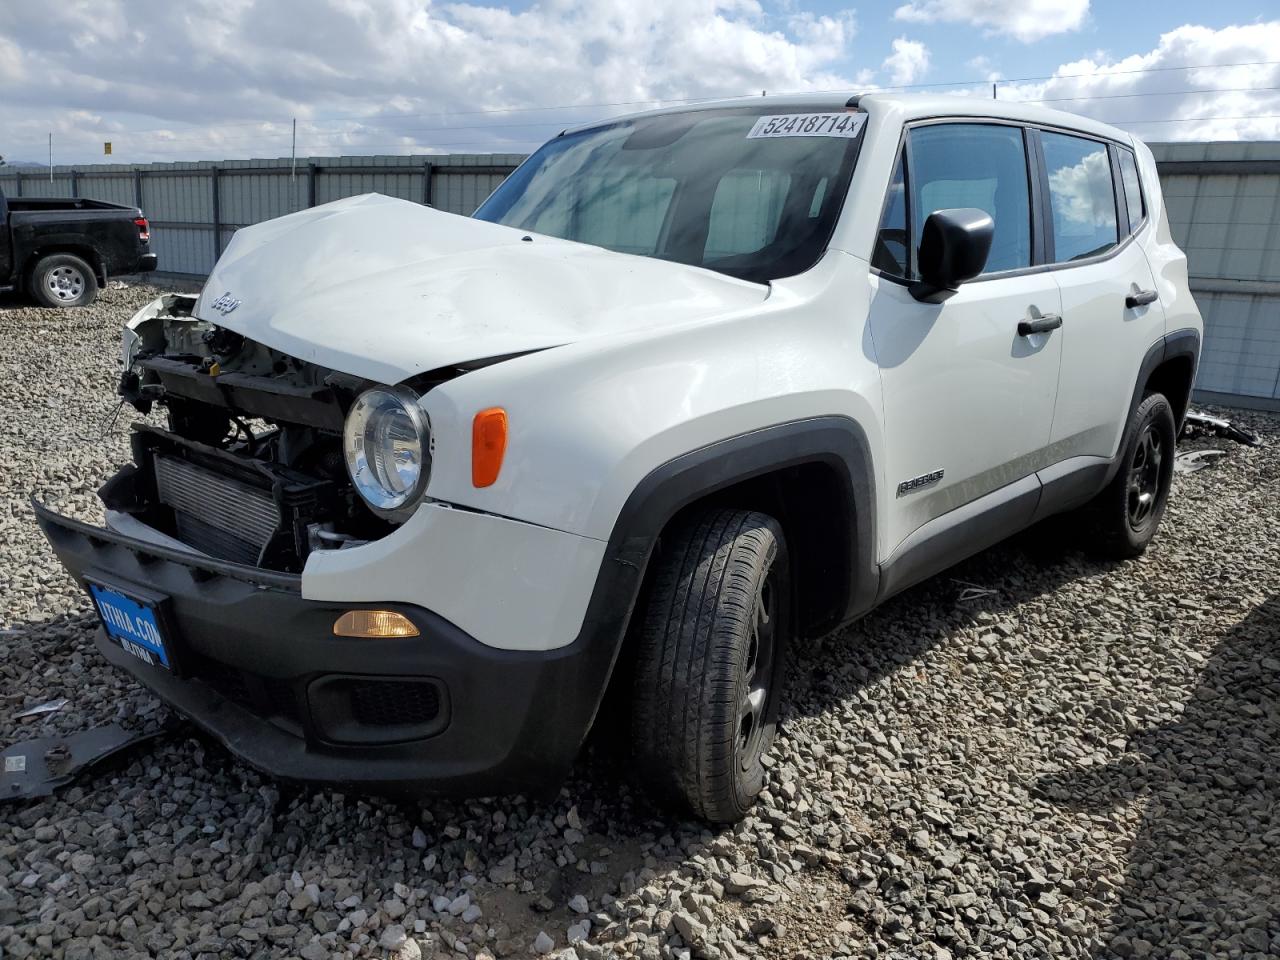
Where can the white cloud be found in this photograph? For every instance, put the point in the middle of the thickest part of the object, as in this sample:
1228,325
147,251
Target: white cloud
984,66
909,61
208,79
210,72
11,65
1027,20
1074,188
1141,94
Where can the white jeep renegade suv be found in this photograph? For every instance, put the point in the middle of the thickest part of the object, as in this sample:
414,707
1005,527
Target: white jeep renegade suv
690,384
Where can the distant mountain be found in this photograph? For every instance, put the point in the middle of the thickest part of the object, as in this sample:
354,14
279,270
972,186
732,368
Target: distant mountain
25,163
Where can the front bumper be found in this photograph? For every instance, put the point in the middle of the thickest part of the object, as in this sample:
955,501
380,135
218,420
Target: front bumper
259,668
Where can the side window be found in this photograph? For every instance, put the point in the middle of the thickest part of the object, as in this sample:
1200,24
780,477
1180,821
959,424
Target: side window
891,253
745,212
975,165
1082,198
1132,188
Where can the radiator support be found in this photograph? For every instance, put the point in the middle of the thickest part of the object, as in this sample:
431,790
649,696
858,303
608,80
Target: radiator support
226,504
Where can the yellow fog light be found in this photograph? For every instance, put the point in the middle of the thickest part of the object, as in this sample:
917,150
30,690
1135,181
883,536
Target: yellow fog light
373,623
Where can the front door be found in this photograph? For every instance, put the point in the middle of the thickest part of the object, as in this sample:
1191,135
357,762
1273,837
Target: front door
968,401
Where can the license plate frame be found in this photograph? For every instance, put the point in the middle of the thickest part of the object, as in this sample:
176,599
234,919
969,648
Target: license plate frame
138,623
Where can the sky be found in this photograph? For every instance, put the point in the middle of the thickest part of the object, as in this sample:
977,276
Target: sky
226,79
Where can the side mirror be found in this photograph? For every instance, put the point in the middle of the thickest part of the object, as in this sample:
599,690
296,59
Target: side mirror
954,245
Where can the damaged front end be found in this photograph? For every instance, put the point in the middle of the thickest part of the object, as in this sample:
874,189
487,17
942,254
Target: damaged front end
369,665
251,468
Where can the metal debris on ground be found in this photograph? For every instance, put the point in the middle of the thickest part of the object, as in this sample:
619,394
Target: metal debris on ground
1189,461
49,706
972,591
36,768
1201,423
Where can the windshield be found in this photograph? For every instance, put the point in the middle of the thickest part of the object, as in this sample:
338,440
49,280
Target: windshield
753,192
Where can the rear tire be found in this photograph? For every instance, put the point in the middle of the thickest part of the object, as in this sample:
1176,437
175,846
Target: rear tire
1126,515
63,280
710,663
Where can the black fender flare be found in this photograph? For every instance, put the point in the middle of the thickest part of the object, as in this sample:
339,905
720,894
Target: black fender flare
837,441
1180,343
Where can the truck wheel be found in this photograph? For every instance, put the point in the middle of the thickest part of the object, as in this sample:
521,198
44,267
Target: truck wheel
1127,513
63,280
709,666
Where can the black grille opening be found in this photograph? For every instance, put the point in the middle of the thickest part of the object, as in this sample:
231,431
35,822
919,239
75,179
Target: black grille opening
363,709
391,703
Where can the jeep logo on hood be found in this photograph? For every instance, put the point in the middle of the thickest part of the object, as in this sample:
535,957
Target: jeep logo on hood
225,304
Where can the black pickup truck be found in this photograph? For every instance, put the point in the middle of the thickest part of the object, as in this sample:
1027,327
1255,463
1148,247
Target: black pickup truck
62,251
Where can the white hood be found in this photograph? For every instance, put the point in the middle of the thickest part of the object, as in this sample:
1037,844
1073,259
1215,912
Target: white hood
385,289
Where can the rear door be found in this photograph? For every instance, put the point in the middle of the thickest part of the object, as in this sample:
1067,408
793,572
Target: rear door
1092,233
968,401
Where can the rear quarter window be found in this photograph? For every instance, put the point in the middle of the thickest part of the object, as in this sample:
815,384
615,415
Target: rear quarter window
1133,199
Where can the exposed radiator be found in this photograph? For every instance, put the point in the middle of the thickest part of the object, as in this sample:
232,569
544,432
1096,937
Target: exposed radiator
214,514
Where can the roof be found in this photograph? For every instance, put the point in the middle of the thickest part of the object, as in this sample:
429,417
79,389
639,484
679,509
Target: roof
915,106
906,107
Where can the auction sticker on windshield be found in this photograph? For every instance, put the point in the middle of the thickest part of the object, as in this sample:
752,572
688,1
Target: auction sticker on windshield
808,125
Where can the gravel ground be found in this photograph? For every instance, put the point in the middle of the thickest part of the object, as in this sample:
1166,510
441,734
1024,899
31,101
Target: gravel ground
1079,762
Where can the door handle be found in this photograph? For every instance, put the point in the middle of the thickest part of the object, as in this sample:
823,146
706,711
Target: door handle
1139,299
1050,321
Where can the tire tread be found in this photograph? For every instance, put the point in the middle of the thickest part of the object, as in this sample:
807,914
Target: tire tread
686,682
1107,515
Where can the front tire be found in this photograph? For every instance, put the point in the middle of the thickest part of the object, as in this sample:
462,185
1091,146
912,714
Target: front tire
709,665
1128,512
63,280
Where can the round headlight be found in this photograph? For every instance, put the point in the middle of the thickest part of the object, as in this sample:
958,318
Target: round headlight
387,448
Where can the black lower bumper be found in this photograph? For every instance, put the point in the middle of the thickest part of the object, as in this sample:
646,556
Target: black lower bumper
147,263
258,667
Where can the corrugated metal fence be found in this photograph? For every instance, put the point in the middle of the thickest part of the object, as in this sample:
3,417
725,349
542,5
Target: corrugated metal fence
195,207
1223,201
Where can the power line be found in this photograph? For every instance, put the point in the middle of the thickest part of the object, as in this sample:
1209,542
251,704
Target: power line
1117,123
1120,73
328,148
212,140
907,86
479,126
1161,93
416,133
385,117
1248,116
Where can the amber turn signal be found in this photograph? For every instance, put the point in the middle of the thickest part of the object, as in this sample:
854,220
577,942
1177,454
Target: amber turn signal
488,444
374,623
